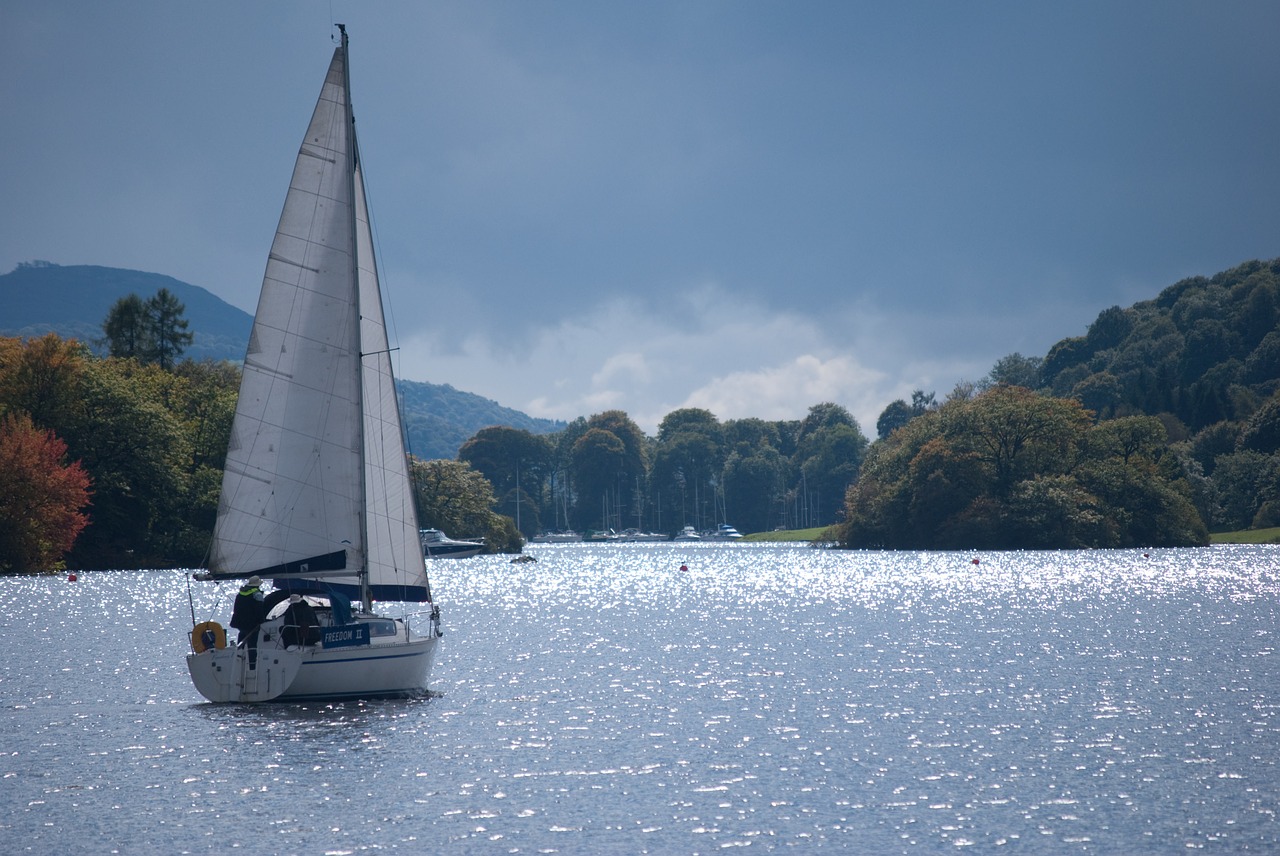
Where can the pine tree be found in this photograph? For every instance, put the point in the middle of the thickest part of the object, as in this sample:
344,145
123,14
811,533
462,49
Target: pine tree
152,332
167,329
125,328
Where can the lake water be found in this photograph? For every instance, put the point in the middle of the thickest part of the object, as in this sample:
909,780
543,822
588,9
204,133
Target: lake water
603,701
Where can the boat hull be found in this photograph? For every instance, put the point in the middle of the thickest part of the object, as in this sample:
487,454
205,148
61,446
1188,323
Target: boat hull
398,670
223,674
556,538
449,551
398,667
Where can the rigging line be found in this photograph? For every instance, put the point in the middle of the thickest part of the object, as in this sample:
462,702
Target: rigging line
384,283
388,316
389,326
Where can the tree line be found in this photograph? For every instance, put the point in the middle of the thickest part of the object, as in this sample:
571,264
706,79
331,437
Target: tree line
1203,357
1159,424
602,473
116,461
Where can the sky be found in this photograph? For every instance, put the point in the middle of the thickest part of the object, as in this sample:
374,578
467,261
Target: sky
750,206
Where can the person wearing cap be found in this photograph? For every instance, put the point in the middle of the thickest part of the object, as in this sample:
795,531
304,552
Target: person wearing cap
247,613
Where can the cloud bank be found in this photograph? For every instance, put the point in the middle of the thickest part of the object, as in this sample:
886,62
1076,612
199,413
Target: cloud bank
709,349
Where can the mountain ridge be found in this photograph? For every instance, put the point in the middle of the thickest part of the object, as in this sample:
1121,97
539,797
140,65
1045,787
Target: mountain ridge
41,297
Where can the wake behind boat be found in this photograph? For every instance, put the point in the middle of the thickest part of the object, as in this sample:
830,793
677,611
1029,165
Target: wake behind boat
316,493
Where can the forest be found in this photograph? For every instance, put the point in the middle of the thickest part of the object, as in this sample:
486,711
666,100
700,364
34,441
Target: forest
1180,393
1159,424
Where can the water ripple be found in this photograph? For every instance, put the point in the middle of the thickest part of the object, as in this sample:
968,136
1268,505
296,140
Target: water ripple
603,699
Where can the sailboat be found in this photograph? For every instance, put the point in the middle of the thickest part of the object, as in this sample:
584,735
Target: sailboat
316,493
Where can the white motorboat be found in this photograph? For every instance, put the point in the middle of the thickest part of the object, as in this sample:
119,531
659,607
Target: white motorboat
688,533
635,535
316,493
437,545
565,537
723,532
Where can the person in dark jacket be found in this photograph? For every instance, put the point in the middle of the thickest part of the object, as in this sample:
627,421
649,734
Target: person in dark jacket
247,613
300,624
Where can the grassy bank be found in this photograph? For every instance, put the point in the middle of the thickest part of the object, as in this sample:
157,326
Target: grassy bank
1244,536
805,535
1247,536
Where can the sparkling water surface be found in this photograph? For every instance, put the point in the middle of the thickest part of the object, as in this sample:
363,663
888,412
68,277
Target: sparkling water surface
602,700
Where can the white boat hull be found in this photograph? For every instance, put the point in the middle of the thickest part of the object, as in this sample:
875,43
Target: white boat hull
437,545
556,538
223,674
386,668
379,671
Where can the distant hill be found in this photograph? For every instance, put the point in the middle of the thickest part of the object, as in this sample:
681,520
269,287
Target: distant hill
72,301
40,297
439,418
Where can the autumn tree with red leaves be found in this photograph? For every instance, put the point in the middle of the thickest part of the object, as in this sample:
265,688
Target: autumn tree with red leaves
42,497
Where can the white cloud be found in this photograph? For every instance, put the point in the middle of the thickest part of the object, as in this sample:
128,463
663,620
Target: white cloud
788,390
619,367
730,356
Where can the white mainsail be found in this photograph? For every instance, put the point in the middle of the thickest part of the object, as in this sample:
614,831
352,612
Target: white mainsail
316,483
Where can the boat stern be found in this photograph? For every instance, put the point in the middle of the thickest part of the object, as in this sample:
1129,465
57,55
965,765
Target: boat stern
223,675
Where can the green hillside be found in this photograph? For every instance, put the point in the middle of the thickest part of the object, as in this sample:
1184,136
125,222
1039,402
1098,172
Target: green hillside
1203,357
439,418
1206,350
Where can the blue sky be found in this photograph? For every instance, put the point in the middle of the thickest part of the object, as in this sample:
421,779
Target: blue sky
747,206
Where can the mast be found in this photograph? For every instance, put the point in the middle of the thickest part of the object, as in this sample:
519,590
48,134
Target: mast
366,594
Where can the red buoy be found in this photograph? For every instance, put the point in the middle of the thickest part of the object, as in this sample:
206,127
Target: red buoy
684,567
976,561
71,578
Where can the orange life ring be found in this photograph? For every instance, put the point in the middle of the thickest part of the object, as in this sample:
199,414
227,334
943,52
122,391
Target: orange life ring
197,636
